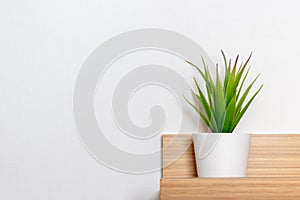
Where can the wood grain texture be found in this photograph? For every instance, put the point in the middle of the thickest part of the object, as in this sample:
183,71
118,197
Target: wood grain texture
231,189
273,171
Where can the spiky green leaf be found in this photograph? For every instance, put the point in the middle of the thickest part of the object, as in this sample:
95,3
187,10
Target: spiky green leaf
198,111
240,115
229,115
219,101
243,97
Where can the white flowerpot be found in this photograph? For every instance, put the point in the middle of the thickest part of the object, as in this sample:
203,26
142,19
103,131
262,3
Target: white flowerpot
221,154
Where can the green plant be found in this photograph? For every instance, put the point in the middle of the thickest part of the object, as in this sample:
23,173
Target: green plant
224,103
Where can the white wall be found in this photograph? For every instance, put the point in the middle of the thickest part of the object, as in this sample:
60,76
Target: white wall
44,43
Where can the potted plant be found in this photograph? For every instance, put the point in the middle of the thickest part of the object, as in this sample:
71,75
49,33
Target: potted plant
222,153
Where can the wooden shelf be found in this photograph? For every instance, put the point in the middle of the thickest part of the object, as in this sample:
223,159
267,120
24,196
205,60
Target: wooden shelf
273,171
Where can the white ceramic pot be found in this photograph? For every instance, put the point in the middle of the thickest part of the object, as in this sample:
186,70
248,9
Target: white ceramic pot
222,154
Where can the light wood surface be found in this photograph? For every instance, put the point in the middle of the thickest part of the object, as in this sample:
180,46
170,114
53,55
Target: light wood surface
231,189
273,171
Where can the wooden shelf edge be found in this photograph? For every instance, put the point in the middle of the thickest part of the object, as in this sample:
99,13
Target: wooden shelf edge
230,188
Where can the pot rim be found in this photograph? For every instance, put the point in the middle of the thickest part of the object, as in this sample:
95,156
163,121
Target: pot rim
226,134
